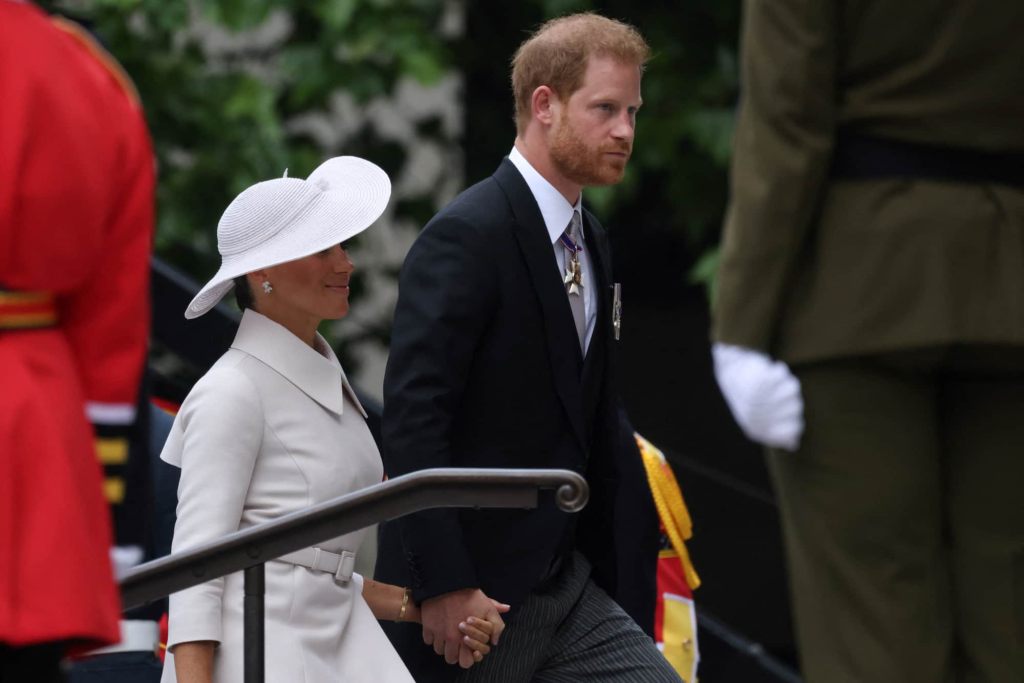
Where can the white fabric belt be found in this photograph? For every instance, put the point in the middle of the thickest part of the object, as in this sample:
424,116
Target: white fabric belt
136,635
341,565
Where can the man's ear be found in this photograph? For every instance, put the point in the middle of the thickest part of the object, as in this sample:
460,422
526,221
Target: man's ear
544,104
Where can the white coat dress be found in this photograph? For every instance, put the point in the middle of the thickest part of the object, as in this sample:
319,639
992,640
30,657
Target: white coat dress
272,428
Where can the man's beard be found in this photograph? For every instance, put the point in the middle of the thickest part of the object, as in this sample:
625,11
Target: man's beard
586,166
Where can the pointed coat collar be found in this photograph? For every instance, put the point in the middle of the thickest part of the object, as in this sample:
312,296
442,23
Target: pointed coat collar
554,208
318,376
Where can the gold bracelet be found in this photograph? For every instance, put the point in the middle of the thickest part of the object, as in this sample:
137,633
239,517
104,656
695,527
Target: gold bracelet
405,603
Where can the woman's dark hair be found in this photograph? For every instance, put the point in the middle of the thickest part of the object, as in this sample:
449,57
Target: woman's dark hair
243,294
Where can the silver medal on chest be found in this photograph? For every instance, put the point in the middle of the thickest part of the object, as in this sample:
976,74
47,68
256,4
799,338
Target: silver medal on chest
574,275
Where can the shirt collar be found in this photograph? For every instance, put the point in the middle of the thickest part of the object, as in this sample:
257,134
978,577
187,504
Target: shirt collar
318,376
556,211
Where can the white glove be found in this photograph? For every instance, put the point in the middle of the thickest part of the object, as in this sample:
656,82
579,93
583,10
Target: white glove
762,394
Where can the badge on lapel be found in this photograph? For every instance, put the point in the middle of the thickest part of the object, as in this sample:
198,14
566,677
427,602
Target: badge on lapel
617,310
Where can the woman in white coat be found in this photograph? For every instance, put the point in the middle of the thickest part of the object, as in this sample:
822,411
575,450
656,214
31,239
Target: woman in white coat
275,427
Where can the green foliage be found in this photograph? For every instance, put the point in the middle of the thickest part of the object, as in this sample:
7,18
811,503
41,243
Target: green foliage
219,110
218,107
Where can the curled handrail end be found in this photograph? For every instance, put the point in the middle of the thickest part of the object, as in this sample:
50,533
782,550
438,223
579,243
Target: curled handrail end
572,496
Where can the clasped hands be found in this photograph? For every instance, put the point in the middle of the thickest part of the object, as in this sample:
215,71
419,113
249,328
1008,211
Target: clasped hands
763,395
462,625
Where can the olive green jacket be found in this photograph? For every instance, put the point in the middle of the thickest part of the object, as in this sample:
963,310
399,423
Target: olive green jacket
813,268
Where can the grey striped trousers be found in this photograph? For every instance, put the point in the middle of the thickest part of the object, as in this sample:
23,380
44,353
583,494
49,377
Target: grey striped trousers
570,632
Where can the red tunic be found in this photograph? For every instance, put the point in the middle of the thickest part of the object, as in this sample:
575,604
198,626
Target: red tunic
76,220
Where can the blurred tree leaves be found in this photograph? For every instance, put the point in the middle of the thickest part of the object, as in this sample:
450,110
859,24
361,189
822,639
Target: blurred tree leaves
218,104
221,79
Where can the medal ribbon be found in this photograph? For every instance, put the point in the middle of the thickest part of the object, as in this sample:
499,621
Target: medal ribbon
569,244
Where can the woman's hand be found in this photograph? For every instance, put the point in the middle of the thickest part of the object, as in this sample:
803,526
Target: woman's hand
193,661
478,634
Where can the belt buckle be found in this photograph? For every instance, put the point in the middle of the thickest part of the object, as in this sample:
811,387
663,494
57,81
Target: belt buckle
345,567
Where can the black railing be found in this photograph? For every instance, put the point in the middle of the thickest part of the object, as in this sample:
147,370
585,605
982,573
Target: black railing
249,549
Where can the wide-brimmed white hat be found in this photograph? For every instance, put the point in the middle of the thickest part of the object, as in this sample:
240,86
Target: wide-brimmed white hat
285,219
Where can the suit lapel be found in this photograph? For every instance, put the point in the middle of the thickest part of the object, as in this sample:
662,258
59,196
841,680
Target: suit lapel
597,245
563,345
599,343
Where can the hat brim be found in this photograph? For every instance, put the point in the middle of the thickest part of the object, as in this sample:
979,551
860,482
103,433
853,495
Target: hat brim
353,193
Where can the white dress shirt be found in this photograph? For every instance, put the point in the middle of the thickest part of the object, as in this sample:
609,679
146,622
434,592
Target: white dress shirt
557,212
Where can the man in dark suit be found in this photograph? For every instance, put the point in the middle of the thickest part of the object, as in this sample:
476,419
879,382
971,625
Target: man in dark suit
501,356
871,289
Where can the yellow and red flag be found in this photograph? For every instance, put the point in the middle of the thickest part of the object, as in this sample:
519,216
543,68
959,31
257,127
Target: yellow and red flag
675,617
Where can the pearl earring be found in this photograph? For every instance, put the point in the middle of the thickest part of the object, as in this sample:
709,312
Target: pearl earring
267,287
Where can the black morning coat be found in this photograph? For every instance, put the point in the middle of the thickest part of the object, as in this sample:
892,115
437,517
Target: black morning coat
485,370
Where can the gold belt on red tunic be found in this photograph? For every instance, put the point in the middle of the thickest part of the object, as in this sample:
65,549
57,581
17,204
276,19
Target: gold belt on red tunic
27,310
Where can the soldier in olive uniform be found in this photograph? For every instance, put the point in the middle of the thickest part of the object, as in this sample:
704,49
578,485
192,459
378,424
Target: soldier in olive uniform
869,326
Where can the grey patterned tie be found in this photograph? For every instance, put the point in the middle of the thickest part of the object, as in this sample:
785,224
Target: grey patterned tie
574,279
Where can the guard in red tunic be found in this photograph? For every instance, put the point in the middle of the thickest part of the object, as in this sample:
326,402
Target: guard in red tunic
76,222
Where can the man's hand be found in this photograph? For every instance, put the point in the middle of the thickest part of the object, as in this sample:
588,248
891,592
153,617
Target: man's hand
762,394
442,615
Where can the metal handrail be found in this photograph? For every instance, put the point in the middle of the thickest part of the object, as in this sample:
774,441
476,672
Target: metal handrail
468,487
250,548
